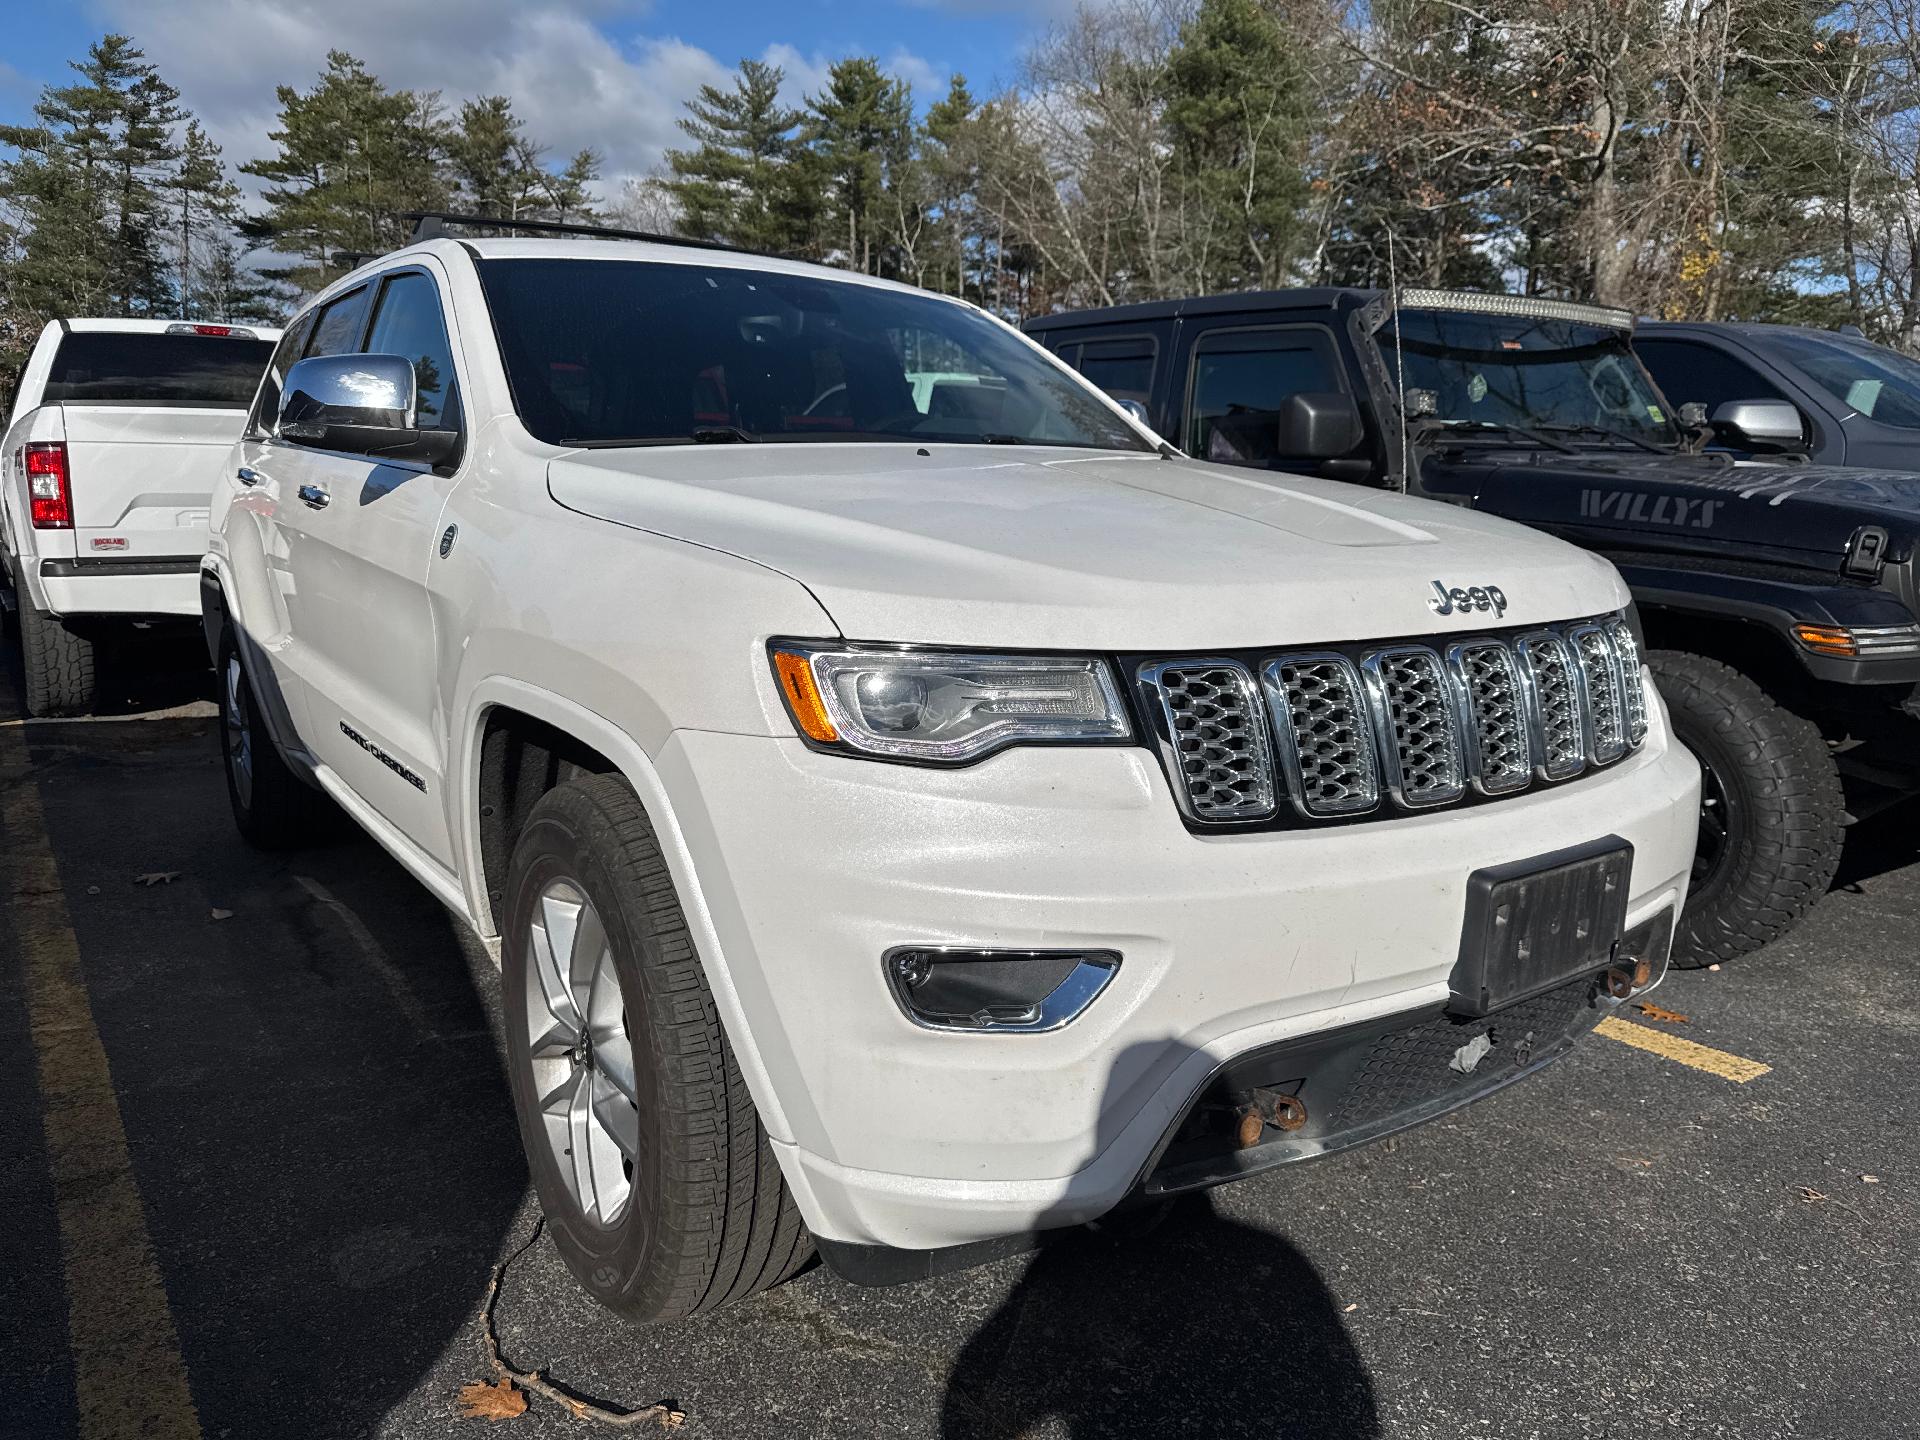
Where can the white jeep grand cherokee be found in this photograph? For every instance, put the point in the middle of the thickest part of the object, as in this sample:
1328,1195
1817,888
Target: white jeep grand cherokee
916,808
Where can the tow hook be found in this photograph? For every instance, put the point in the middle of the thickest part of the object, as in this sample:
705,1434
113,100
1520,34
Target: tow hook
1619,983
1269,1107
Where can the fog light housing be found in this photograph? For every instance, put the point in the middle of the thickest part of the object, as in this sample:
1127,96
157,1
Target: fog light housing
942,987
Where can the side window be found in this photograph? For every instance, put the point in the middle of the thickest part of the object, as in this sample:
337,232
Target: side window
337,330
408,322
266,404
1238,382
1687,371
1122,368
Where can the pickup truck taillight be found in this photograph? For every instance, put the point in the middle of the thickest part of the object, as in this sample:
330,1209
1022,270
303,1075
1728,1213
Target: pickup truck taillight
48,496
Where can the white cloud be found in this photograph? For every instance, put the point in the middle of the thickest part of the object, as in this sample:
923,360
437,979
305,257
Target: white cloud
580,72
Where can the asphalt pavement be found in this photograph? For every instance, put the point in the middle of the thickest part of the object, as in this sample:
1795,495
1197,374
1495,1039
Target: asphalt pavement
257,1165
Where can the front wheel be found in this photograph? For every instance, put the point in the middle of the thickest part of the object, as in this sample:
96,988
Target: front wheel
1771,810
660,1189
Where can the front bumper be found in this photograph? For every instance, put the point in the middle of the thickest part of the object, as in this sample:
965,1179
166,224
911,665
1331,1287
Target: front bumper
812,866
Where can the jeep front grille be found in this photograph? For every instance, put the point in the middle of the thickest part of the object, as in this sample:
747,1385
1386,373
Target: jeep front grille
1357,731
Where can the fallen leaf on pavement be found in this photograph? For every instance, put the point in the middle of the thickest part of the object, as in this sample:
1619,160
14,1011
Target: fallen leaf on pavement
1714,966
1660,1012
501,1400
1351,1308
157,877
1809,1194
1644,1164
220,914
1869,1179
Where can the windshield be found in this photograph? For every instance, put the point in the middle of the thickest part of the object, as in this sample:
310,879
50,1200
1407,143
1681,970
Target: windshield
1881,384
613,352
117,367
1542,375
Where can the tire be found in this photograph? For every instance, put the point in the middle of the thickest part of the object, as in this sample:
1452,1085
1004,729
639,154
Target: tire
273,807
58,663
706,1218
1772,851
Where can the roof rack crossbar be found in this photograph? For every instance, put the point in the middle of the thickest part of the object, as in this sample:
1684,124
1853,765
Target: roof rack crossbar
431,224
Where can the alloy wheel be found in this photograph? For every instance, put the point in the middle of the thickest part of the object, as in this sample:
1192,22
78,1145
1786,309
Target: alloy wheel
581,1053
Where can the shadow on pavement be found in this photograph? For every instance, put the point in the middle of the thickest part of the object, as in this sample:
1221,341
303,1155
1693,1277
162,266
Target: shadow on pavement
1884,842
1204,1327
308,1082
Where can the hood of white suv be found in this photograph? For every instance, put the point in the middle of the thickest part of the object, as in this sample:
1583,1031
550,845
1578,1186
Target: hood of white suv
1031,547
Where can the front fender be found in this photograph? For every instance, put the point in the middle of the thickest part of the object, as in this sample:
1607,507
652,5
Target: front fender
639,771
1779,605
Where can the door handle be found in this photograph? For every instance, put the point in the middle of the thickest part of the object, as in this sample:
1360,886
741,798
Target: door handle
247,475
314,496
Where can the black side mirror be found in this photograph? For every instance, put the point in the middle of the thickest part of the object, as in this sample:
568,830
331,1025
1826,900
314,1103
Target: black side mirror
360,404
1318,425
1765,426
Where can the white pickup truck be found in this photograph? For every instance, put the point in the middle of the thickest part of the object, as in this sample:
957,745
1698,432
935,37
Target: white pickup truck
117,432
916,808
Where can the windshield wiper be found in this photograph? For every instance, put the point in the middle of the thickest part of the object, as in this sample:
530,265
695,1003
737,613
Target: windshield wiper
1507,428
1605,432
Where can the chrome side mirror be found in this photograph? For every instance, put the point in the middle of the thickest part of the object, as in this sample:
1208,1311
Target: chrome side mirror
1771,425
360,404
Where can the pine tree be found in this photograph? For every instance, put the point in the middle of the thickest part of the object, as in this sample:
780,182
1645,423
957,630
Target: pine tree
739,184
86,179
353,157
206,206
947,153
859,128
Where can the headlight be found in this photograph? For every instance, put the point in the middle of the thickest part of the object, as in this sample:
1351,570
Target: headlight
945,708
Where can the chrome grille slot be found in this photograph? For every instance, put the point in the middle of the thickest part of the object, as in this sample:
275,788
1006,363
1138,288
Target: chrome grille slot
1421,726
1556,704
1600,683
1497,715
1346,732
1325,733
1218,738
1633,683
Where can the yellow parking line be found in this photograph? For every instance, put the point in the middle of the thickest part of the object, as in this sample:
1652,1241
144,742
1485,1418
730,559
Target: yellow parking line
129,1378
1688,1052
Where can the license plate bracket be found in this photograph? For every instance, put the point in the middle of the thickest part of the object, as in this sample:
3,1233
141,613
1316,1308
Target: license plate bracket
1534,924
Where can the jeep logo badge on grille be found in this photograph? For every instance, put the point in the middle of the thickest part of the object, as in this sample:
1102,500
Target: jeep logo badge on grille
1477,597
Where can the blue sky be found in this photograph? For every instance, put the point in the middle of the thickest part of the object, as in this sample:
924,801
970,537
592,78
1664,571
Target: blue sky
610,73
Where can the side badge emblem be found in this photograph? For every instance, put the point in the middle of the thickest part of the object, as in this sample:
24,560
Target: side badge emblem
447,537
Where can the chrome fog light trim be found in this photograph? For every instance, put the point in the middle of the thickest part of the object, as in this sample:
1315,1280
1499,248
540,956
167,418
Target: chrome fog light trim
967,989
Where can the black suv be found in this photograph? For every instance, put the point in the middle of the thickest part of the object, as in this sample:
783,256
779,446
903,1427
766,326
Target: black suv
1778,599
1856,403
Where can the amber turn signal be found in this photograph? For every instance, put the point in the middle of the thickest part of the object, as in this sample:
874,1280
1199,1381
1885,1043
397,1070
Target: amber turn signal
803,697
1826,639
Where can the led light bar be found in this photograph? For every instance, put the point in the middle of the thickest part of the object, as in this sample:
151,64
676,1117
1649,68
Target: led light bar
1477,303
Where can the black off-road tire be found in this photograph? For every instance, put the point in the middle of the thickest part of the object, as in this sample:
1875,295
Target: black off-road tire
58,663
275,809
710,1220
1783,809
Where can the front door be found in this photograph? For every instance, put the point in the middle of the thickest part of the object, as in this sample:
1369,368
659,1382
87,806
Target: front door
360,534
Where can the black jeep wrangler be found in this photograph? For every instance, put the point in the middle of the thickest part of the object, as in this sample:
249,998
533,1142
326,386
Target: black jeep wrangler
1778,599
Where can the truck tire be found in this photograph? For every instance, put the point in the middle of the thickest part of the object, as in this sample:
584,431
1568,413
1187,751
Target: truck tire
273,807
1771,810
660,1189
58,664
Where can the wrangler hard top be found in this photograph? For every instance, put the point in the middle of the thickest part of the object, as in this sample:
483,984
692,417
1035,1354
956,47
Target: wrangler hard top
1779,597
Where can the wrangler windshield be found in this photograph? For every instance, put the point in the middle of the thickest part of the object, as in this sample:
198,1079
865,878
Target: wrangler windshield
1548,376
612,352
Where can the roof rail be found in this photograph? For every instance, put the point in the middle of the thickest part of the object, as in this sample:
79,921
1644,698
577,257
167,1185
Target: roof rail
431,224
